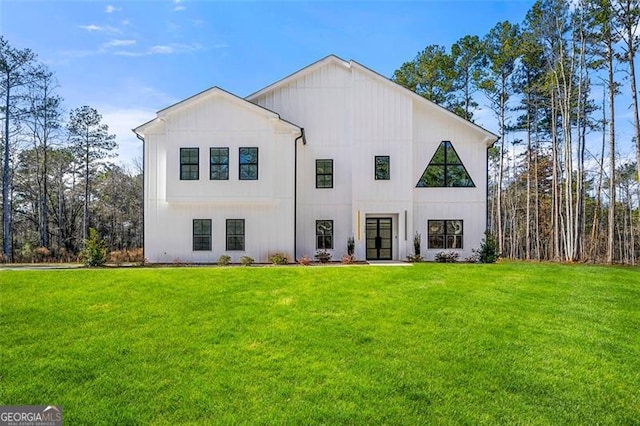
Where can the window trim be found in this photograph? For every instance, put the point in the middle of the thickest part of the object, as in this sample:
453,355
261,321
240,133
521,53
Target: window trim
212,164
320,235
194,235
197,163
241,164
445,165
227,235
445,234
375,167
318,161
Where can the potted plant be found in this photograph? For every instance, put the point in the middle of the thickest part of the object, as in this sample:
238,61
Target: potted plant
351,246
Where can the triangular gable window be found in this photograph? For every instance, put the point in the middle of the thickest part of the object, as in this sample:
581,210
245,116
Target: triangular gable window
445,170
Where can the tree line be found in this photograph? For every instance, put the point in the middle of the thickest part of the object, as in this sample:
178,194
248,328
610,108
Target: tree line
57,177
558,188
554,193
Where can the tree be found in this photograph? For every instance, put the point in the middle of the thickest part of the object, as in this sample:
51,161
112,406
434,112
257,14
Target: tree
602,16
466,55
627,19
43,118
430,75
15,65
91,143
501,49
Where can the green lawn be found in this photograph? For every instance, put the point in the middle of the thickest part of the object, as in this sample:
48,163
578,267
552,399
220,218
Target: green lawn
512,343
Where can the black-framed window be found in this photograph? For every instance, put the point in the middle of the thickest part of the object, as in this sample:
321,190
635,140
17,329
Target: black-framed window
324,234
324,173
445,234
189,163
201,234
248,163
445,170
219,163
382,171
235,234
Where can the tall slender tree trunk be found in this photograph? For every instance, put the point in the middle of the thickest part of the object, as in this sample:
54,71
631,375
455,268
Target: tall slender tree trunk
555,199
612,154
634,100
501,176
596,211
527,251
85,209
6,179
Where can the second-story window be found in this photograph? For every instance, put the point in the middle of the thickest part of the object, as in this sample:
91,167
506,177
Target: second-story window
219,163
382,167
189,163
248,163
324,173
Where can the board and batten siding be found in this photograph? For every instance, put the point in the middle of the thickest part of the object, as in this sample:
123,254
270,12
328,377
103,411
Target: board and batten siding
350,115
467,204
171,204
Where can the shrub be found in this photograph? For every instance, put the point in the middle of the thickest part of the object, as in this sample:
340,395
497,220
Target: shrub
246,260
413,258
323,256
304,260
117,257
279,259
95,252
42,254
488,249
474,258
447,257
224,260
348,259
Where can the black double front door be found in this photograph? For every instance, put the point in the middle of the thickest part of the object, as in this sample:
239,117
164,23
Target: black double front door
379,238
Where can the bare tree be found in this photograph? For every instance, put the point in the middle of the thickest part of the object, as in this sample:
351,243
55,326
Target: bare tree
14,71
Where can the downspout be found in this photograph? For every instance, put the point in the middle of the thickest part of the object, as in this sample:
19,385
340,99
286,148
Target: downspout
143,185
295,191
486,186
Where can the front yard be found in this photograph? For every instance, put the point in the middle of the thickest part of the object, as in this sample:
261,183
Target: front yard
429,343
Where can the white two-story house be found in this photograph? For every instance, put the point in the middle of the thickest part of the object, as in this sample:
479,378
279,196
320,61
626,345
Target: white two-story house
331,152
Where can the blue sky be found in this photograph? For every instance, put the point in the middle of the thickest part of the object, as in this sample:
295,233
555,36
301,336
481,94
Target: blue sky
129,59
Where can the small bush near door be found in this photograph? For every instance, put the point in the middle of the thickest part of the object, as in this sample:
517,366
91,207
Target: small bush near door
447,257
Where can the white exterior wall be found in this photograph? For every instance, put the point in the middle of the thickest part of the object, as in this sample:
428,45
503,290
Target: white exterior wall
467,204
171,204
350,115
321,100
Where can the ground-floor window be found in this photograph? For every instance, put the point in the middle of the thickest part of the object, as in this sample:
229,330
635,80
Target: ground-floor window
324,234
445,234
235,234
201,234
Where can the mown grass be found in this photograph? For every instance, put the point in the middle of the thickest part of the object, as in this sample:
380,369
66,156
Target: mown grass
511,343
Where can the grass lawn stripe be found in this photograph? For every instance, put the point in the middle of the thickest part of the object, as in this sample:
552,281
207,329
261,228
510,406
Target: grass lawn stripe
510,343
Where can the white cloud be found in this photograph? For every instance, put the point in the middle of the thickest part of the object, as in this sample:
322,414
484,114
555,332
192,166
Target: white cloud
97,28
110,9
174,48
90,28
161,49
178,5
119,43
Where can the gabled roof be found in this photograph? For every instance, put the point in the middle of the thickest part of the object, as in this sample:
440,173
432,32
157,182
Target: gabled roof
490,137
208,93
